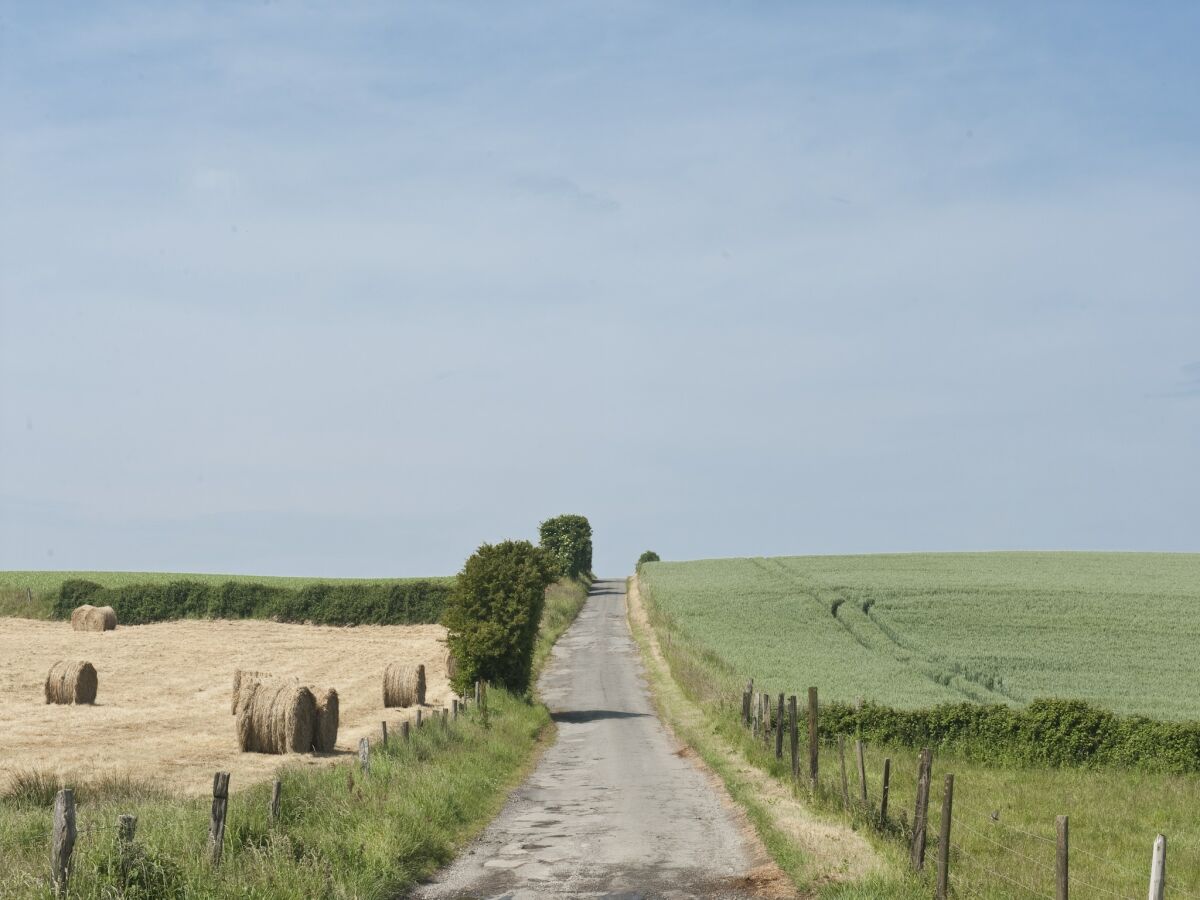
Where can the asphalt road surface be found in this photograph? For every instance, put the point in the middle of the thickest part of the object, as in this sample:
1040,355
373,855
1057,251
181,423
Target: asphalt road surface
611,810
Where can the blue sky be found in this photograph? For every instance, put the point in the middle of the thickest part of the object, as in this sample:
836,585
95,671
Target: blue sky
289,288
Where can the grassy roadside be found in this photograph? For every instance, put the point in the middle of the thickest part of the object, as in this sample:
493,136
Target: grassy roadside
1004,815
341,834
822,855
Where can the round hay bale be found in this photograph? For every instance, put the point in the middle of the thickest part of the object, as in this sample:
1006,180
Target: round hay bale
243,681
325,734
71,682
94,618
404,685
277,716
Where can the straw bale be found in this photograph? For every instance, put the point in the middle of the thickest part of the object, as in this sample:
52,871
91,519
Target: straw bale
94,618
243,682
278,716
325,734
71,682
404,685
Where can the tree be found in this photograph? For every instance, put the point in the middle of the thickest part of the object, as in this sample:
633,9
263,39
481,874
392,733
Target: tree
567,540
493,614
648,556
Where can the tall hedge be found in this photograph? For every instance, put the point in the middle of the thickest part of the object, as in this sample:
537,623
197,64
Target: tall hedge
1057,733
493,613
370,603
567,540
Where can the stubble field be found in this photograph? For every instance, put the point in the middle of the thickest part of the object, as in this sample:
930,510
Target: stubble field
162,712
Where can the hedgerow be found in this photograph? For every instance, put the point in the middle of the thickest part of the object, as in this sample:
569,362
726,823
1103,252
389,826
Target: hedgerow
382,603
1057,733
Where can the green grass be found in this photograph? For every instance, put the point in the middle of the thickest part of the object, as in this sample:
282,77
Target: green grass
564,600
1115,629
341,834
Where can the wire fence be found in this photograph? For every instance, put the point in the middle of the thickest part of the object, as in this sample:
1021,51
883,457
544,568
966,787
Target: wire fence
979,852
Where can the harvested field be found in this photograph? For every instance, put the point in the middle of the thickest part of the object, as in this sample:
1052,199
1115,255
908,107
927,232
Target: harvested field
163,707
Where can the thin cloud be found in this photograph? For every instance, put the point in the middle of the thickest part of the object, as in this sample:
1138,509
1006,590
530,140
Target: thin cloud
566,189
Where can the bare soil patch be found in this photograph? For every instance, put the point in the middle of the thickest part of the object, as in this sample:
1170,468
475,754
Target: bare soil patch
162,709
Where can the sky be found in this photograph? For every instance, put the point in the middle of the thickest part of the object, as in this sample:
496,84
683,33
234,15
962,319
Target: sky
347,290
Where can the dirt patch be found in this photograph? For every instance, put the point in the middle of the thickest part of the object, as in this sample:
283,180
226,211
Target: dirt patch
162,709
836,853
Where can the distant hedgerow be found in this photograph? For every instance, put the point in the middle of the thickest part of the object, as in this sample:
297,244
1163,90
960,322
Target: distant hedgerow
648,556
382,603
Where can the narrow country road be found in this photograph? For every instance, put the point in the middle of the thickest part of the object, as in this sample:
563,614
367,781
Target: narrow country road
611,810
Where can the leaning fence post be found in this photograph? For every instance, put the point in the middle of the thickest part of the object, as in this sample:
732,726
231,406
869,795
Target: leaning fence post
364,755
1158,868
845,781
921,813
63,841
276,792
1061,886
883,791
779,729
862,774
216,825
794,738
943,872
813,747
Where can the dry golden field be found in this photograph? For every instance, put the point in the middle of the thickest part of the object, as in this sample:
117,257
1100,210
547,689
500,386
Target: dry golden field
162,709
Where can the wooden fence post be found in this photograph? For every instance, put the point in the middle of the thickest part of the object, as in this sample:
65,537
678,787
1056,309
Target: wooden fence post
794,738
943,872
921,813
276,793
1061,859
63,841
746,707
364,755
126,827
418,717
478,690
454,708
404,731
813,747
445,717
862,774
779,720
28,595
883,791
216,825
383,728
1158,868
845,781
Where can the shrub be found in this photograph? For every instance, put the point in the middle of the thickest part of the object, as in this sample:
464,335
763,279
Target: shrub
567,540
74,592
493,614
648,556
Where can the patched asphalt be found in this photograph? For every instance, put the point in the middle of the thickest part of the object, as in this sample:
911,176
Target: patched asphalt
612,809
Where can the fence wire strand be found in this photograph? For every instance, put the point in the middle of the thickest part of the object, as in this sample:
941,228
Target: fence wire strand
990,871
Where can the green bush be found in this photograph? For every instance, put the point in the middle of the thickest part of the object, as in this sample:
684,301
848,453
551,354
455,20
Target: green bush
1057,733
74,592
648,556
568,542
493,614
375,603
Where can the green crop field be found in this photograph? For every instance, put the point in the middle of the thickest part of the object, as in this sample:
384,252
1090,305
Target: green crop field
1119,630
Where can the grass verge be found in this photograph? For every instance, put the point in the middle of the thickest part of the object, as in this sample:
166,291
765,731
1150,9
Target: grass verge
564,600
